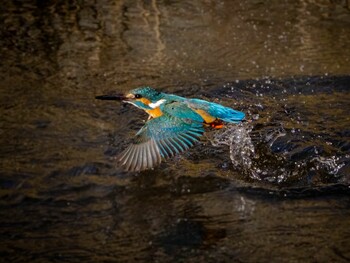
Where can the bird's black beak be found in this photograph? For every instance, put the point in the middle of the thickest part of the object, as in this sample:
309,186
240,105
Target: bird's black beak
119,97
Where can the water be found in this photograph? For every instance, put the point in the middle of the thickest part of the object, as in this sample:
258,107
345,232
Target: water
295,148
274,188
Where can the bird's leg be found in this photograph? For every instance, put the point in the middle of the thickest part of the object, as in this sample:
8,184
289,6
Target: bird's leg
217,124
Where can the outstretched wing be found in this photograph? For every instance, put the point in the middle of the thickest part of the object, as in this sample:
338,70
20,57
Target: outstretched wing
160,137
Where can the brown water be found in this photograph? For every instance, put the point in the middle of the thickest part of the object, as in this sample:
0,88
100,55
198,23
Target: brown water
274,189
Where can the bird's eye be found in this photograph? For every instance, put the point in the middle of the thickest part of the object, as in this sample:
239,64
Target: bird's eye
138,96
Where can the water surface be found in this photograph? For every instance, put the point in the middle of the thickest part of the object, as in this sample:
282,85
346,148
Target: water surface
275,188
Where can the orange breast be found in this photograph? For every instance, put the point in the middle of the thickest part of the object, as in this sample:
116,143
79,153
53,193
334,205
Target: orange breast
154,113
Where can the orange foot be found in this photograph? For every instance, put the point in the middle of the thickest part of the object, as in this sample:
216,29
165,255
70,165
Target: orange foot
217,124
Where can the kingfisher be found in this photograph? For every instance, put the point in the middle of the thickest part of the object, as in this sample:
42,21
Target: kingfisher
174,125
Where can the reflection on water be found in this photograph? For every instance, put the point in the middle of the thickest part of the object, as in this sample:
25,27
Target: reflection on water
275,187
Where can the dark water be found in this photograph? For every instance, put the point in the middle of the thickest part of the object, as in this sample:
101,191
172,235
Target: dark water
274,189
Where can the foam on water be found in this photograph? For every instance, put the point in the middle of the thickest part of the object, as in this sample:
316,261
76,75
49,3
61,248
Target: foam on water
237,138
251,153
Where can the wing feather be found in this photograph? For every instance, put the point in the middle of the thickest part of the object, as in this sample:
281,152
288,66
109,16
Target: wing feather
125,155
171,145
149,156
186,140
163,149
129,159
165,136
155,154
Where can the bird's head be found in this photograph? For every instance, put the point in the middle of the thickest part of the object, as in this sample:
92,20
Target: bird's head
145,98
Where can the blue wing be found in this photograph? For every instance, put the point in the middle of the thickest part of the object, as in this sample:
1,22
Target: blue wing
165,136
216,110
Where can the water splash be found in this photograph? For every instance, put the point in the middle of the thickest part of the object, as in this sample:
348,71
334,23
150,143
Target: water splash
332,164
239,141
257,154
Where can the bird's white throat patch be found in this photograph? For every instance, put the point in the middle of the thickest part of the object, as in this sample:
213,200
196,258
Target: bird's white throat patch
157,103
132,103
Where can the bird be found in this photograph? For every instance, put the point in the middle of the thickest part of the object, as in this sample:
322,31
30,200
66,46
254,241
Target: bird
174,125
